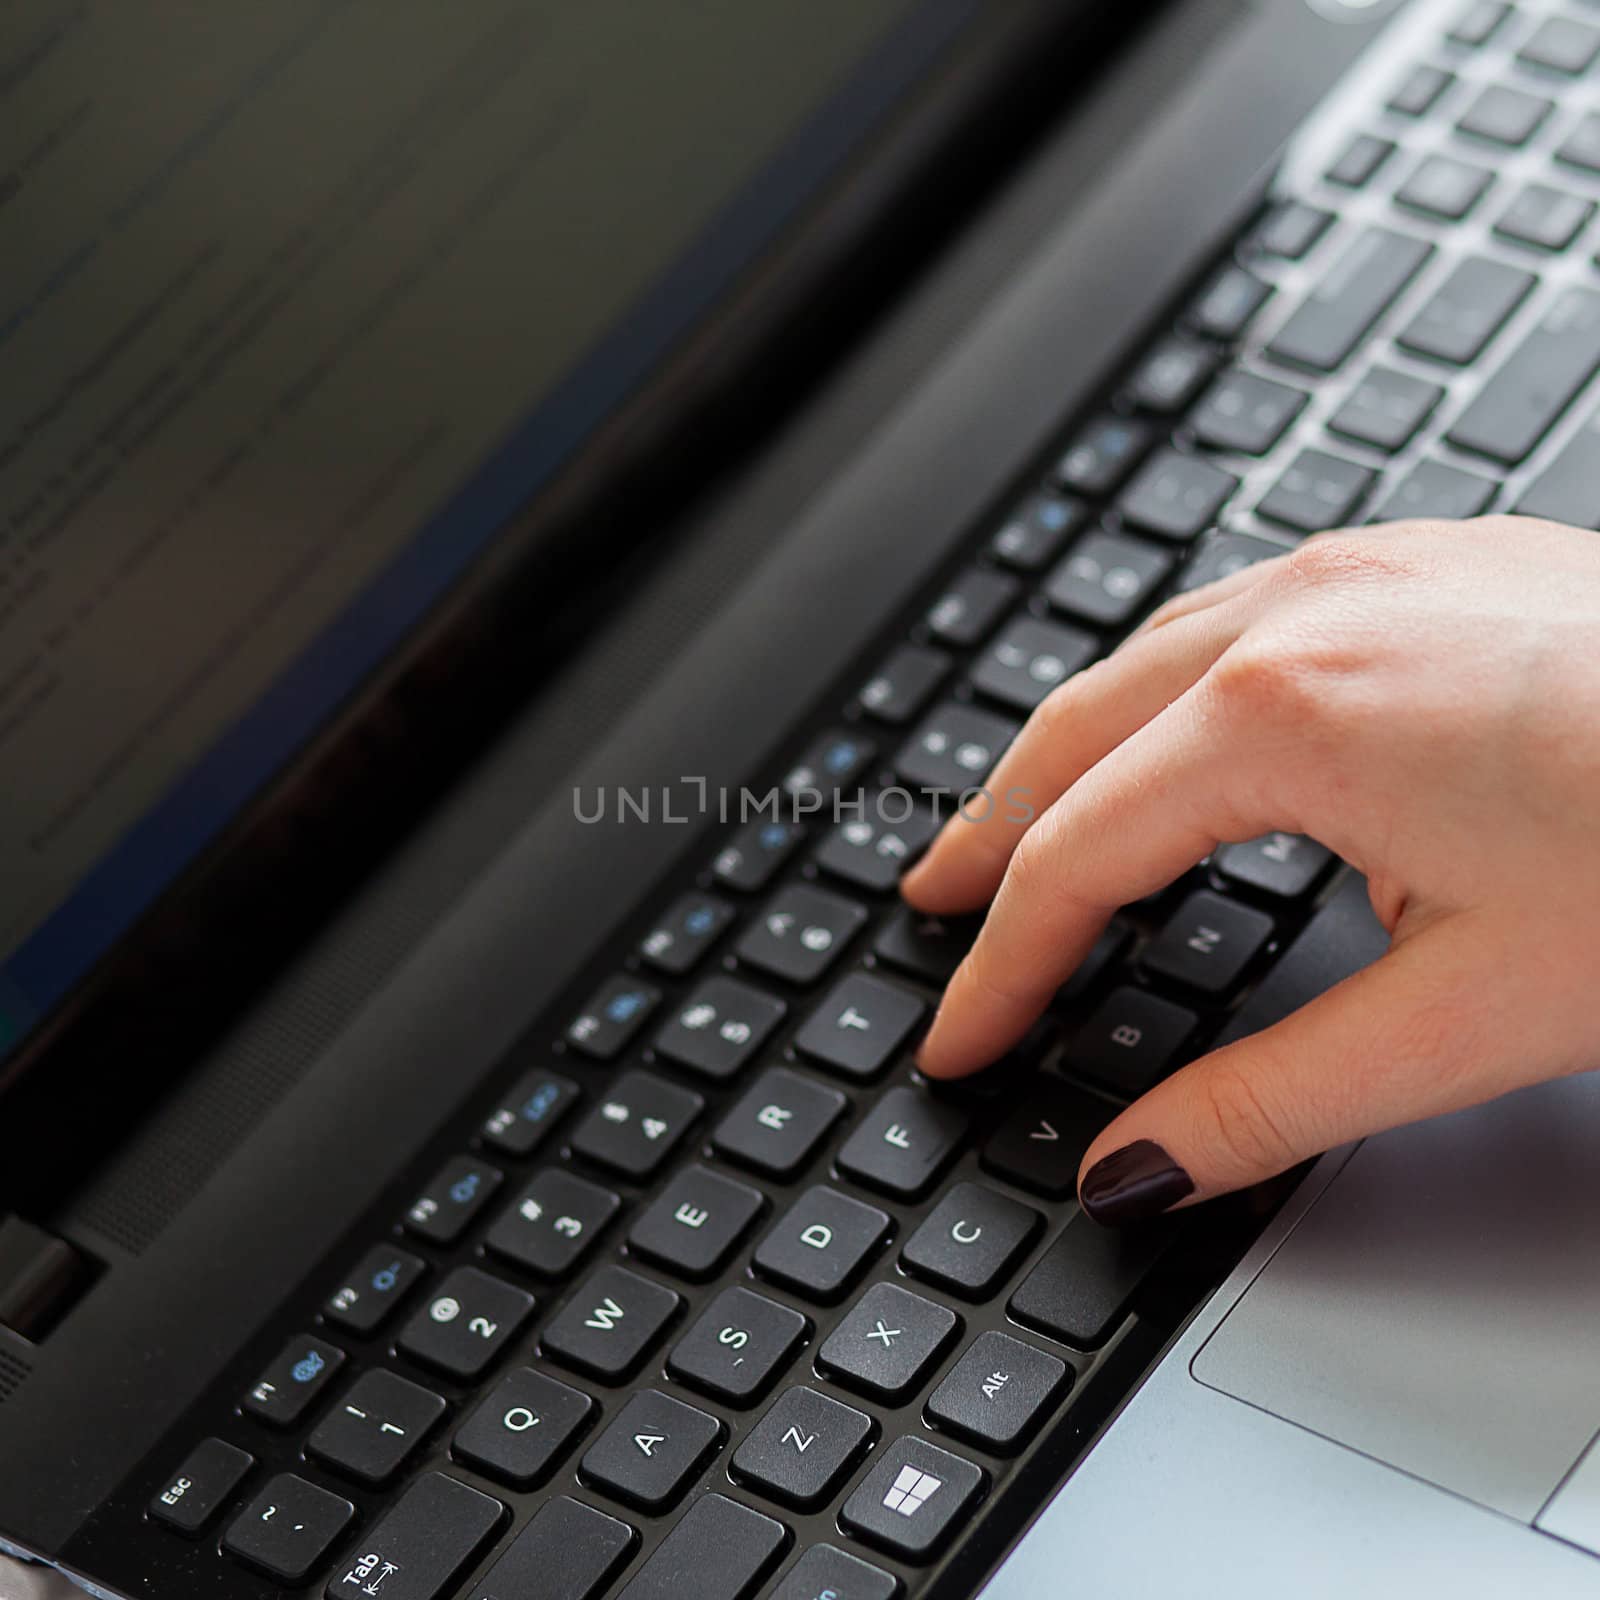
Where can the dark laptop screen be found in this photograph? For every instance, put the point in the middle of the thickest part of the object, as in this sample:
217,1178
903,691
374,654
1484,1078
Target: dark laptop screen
297,304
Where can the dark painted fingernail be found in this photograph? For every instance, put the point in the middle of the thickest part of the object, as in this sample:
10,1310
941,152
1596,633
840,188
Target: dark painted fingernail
1138,1181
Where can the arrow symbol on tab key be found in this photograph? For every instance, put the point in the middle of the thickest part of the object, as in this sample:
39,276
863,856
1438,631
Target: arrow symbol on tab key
1045,1132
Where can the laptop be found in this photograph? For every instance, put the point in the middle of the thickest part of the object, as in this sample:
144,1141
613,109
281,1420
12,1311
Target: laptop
515,520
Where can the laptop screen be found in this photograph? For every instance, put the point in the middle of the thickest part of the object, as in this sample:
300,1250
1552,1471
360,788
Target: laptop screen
297,305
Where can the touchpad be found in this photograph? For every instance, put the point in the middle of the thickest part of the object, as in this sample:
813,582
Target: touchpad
1439,1306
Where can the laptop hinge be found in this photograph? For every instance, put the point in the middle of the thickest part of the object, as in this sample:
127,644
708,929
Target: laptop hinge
41,1276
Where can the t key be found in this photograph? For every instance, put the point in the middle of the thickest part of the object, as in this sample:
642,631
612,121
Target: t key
860,1026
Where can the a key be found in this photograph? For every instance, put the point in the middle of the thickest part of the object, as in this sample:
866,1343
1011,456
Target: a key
913,1500
1536,383
1228,304
1360,160
288,1528
1033,536
1546,218
1084,1281
537,1102
458,1192
1133,1040
861,1025
1505,115
832,765
651,1450
1103,455
719,1550
739,1344
1176,496
1432,489
466,1324
205,1482
826,1570
1043,1141
1317,491
1284,865
1568,490
930,948
1444,187
637,1125
998,1393
375,1427
1479,21
1209,943
953,748
381,1280
692,1226
903,1143
1467,310
888,1342
420,1545
821,1243
1223,553
778,1124
873,851
752,857
800,1451
1562,44
1386,408
902,686
967,611
800,933
1418,92
1340,312
720,1027
610,1322
1581,147
685,933
553,1223
569,1551
521,1430
970,1240
286,1389
1173,373
1246,413
614,1013
1108,578
1029,659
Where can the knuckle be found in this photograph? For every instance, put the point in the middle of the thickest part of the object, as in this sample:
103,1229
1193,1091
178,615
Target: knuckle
1240,1125
1260,680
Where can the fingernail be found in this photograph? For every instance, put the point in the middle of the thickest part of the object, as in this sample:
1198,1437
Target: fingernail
1138,1181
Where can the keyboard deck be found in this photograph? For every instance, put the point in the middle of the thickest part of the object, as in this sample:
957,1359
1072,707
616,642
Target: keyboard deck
707,1292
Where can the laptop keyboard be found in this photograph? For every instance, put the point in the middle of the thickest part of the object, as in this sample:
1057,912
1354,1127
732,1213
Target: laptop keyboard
714,1293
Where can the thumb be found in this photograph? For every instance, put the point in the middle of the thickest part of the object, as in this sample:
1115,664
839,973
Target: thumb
1425,1029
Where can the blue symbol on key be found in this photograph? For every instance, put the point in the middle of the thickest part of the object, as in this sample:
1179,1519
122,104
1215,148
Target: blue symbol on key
625,1006
307,1367
701,920
774,836
385,1278
537,1105
1053,514
841,757
463,1189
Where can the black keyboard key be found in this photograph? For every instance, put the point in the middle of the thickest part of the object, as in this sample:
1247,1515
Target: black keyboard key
1285,865
719,1550
1103,455
459,1191
832,765
873,851
1223,553
614,1013
1418,92
1107,578
930,948
1467,310
1172,374
1341,311
1568,490
1479,21
967,611
466,1324
1536,383
1504,115
569,1551
800,933
288,1528
970,1240
1084,1281
205,1482
302,1371
800,1451
1562,44
1246,414
752,857
1131,1042
1042,1143
651,1451
719,1027
913,1499
380,1421
954,748
535,1105
685,933
998,1393
1360,160
553,1223
904,1142
692,1226
381,1280
1209,943
821,1243
1176,496
901,687
1317,491
1431,489
1443,187
1029,659
776,1126
522,1428
1031,539
888,1342
638,1124
825,1571
1386,408
739,1344
421,1544
1291,229
1581,148
1545,218
610,1322
860,1026
1227,305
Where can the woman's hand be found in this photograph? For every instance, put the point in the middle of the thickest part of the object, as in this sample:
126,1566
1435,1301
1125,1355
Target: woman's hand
1424,699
